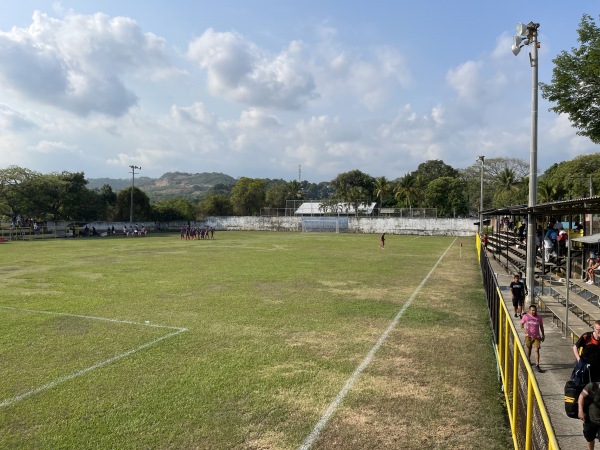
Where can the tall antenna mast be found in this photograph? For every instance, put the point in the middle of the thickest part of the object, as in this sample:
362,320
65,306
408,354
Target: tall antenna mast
299,173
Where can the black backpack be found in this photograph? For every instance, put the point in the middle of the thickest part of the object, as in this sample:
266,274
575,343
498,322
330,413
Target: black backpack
579,379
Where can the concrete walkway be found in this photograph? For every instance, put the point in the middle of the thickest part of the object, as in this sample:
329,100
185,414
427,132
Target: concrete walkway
556,359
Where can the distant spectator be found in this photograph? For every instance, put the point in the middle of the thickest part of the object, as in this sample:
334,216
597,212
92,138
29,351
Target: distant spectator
521,232
562,243
538,238
552,235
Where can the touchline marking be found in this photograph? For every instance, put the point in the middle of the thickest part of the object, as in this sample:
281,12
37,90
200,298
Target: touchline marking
60,380
316,432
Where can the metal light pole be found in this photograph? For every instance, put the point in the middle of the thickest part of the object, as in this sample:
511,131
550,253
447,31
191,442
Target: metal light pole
481,159
530,32
132,186
591,214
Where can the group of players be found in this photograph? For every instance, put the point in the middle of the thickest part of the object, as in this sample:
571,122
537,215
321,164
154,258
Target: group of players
188,232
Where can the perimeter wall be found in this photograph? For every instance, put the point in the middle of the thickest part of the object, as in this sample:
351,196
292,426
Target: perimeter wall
390,225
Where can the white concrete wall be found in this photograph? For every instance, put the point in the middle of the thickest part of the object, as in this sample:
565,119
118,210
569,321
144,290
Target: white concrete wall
390,225
430,227
254,223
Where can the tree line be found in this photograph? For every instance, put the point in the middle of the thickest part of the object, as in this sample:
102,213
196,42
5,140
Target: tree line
434,184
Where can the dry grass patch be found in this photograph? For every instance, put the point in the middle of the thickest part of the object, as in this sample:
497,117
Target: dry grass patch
425,388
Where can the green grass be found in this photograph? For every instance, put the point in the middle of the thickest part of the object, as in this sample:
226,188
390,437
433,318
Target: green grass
276,323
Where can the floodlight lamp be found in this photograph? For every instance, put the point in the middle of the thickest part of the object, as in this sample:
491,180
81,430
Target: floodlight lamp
517,41
522,29
515,49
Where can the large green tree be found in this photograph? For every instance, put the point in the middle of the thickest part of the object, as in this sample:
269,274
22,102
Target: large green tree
575,178
13,181
575,85
433,169
248,196
173,209
447,194
215,205
345,183
278,195
141,205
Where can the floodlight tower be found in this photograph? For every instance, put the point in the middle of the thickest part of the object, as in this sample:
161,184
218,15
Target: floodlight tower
481,159
132,186
526,35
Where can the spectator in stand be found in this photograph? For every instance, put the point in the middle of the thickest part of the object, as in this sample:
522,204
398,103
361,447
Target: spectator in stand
521,231
562,243
552,235
538,239
591,269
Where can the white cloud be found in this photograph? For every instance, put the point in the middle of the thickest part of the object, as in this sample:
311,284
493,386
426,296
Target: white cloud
11,120
78,63
54,147
465,80
241,72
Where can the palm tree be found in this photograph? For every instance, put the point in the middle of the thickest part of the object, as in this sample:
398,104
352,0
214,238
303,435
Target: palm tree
506,180
382,187
407,189
294,190
356,196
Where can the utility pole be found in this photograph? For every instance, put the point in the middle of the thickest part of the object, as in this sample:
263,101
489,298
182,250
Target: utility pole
132,186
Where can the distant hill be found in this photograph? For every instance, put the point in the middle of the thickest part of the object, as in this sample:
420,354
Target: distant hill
172,184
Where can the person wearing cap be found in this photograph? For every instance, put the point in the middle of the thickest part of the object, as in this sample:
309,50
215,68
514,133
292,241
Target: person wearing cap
562,242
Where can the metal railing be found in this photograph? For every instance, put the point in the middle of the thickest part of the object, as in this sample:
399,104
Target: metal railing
527,414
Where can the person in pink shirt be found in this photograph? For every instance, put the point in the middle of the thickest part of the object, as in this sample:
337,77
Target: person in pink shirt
533,326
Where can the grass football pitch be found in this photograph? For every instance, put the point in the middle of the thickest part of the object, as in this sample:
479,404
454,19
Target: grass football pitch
249,341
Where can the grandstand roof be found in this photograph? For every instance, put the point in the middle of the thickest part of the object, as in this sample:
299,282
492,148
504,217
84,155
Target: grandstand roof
345,209
560,208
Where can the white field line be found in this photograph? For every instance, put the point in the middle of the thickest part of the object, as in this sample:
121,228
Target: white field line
316,432
60,380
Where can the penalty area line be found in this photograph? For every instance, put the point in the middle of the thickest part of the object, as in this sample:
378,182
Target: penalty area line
79,373
316,431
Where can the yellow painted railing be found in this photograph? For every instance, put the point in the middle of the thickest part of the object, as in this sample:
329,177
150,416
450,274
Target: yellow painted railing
529,421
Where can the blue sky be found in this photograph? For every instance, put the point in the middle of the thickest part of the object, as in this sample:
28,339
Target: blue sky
259,88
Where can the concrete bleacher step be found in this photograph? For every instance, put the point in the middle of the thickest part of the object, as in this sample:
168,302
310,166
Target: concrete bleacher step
589,312
593,289
575,326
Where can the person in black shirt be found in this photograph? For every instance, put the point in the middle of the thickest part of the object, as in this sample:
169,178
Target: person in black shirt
517,290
